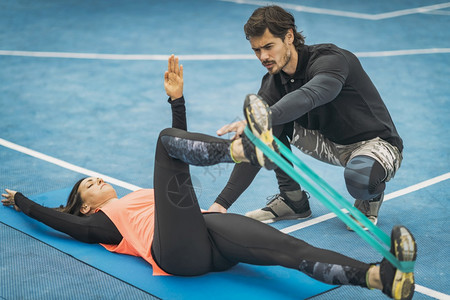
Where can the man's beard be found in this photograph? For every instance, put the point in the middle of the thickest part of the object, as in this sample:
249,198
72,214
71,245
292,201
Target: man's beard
285,60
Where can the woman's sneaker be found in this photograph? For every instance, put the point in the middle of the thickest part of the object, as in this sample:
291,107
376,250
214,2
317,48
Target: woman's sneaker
258,116
397,284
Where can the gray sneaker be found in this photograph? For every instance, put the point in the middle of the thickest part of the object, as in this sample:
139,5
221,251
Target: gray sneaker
369,208
278,208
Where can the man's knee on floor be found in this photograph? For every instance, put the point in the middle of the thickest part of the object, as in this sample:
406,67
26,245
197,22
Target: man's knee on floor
364,177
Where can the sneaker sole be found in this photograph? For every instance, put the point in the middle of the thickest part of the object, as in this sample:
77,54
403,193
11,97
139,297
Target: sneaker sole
374,220
303,216
403,245
257,114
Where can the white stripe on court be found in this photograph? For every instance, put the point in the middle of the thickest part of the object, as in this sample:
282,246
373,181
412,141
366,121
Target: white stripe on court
132,187
432,293
402,52
388,197
308,9
348,14
439,12
152,57
198,57
69,166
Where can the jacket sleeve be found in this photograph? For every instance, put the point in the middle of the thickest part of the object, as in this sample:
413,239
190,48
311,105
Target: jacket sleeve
178,113
320,90
241,177
96,228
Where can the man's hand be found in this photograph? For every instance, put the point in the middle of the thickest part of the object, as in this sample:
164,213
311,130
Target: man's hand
173,79
237,127
9,199
217,208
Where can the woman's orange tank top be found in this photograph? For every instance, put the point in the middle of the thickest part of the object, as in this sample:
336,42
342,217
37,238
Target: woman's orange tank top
133,216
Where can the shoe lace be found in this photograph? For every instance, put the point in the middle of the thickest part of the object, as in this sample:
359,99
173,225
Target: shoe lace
364,206
272,198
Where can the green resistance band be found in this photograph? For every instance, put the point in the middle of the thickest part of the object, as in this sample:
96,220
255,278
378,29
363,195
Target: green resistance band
378,239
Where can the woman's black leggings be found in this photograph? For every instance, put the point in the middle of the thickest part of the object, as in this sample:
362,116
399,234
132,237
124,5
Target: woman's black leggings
187,242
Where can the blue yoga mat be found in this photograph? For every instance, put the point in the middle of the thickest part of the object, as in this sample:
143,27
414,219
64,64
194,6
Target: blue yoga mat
241,282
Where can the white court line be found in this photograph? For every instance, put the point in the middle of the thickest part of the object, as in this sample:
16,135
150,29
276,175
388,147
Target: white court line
388,197
431,293
438,12
185,57
402,52
340,13
154,57
132,187
69,166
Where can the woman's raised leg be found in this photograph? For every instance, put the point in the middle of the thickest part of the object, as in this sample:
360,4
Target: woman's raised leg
181,244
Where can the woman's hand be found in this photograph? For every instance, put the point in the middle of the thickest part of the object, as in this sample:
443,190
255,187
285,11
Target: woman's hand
173,79
216,207
9,199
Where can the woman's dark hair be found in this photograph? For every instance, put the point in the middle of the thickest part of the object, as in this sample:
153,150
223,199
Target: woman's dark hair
277,20
74,201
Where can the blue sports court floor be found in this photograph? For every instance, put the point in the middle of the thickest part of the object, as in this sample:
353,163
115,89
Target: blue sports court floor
82,93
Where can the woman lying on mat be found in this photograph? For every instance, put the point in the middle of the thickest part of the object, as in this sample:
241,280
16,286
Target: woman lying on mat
166,227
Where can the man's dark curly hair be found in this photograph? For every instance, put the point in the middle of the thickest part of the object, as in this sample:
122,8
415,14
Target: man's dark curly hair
277,20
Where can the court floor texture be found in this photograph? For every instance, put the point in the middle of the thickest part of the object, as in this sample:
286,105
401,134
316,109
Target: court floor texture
81,93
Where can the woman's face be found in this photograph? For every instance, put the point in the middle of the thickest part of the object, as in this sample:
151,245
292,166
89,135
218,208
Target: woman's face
95,192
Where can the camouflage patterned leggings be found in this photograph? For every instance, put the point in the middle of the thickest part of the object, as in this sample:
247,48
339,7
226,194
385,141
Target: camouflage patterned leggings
312,143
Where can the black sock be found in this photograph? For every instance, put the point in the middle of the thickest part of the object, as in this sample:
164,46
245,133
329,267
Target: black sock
296,195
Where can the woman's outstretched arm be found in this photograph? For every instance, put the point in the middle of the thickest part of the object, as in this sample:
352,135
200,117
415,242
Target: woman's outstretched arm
96,228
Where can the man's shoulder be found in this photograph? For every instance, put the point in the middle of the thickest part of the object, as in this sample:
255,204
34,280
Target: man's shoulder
324,49
328,57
